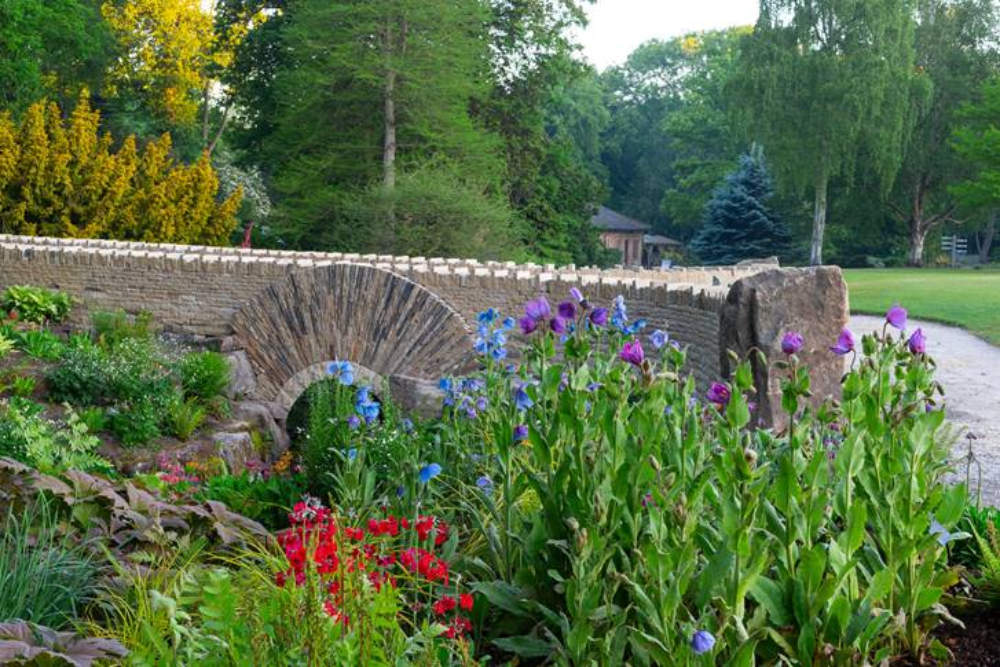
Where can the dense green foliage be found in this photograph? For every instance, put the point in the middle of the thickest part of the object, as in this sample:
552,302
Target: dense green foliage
35,304
475,127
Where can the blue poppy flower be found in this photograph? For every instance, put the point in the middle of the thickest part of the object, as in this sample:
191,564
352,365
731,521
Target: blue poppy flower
353,422
342,371
429,472
352,453
702,642
485,484
521,399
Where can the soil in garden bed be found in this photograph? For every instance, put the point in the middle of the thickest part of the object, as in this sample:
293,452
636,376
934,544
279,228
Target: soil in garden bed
976,645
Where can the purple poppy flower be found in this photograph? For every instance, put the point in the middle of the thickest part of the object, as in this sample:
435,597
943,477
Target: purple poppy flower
718,393
845,343
633,353
896,316
576,294
520,432
917,342
558,325
353,422
792,342
702,642
599,317
658,338
538,309
567,310
647,499
528,325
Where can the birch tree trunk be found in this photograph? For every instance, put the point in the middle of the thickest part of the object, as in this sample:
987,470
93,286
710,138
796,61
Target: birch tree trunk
819,221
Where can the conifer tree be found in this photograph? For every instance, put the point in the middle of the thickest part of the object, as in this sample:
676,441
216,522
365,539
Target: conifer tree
60,178
738,223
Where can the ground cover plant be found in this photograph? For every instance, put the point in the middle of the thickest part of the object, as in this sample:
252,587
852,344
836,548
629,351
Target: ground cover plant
967,298
579,500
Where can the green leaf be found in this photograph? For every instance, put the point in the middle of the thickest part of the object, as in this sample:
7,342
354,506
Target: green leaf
525,646
770,595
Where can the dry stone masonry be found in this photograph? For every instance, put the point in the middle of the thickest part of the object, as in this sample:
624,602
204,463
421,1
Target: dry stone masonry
406,320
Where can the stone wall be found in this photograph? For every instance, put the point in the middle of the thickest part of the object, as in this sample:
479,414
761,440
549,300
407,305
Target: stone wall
200,290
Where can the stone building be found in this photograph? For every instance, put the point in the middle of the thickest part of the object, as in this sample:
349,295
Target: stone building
622,233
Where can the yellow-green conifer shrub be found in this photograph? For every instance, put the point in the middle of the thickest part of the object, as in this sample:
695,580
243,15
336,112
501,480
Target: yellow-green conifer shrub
60,177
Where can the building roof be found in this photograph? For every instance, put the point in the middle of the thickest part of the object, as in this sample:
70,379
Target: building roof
613,221
656,239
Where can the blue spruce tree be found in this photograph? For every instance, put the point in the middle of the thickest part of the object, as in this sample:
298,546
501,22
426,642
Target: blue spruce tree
738,223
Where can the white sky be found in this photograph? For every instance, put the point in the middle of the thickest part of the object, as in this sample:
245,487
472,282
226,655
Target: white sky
618,26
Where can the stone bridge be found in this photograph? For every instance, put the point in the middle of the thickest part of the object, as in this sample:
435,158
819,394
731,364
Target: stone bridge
406,320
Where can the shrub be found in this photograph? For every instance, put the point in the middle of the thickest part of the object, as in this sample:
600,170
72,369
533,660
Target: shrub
86,190
135,425
111,328
204,375
184,417
80,377
36,304
45,577
134,371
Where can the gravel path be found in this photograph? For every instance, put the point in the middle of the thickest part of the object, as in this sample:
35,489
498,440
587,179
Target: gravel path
969,369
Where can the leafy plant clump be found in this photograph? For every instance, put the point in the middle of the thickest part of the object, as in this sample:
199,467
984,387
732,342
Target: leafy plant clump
36,304
204,375
46,577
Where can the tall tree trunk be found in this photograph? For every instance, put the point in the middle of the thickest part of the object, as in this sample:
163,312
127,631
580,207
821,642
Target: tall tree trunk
389,148
819,221
918,228
918,235
986,240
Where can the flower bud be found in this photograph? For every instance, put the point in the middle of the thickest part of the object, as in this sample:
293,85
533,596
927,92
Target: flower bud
750,456
654,464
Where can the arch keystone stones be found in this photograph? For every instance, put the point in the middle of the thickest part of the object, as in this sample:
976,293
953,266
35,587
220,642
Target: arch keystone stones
388,326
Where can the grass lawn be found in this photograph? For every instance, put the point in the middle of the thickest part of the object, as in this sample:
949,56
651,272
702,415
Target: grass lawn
968,298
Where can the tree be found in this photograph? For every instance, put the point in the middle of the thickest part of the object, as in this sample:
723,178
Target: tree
823,79
955,53
738,223
50,48
61,178
173,64
361,92
548,110
977,140
671,139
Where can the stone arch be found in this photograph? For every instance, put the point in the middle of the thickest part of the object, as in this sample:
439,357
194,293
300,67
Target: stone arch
390,328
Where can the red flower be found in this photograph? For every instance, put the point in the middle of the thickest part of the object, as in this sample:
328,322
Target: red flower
444,605
465,601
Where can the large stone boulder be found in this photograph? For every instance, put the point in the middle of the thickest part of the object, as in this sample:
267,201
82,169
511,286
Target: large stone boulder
761,308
